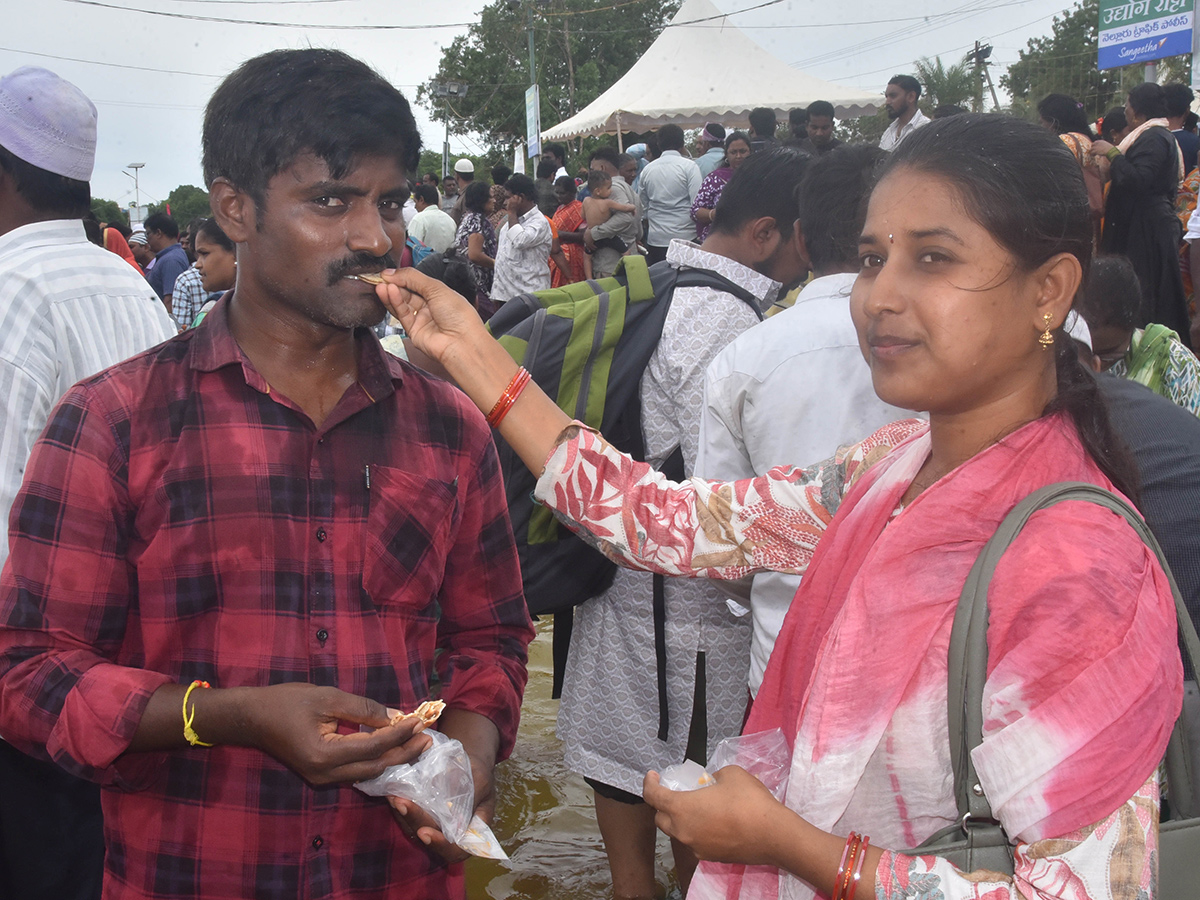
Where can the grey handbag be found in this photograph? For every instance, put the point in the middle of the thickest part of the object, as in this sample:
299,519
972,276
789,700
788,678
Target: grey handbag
977,841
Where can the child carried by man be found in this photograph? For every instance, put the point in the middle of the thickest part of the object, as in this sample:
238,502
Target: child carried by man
598,209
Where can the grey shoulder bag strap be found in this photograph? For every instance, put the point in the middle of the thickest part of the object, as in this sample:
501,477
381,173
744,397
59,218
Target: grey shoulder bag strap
977,840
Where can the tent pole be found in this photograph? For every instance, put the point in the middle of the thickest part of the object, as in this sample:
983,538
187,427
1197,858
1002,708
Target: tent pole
620,147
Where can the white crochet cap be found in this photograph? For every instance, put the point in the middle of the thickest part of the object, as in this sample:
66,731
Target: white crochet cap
48,122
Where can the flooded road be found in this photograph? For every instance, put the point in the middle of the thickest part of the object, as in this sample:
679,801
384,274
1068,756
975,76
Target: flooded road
544,815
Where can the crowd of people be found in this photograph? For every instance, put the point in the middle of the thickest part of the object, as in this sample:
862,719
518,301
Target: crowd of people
246,537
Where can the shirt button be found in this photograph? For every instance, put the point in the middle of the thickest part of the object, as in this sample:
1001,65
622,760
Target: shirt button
318,842
321,535
322,635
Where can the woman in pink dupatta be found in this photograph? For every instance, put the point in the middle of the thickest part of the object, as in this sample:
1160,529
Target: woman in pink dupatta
973,251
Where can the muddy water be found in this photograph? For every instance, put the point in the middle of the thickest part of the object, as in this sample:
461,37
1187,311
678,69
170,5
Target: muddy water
544,815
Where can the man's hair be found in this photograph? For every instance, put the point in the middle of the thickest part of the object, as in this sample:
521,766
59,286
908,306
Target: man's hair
1148,101
820,108
832,200
765,185
624,159
278,106
522,186
546,169
163,223
558,151
906,83
194,225
763,121
426,193
598,179
670,137
1112,295
798,116
500,174
1178,97
608,153
49,194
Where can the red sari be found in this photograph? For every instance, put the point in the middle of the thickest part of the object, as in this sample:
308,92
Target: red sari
569,217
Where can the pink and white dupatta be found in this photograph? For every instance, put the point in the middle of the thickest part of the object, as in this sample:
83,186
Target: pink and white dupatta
1083,672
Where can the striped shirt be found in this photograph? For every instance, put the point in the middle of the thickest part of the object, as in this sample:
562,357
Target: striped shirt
67,310
189,296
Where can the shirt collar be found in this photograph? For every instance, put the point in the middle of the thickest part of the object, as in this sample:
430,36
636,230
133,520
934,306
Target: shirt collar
685,253
214,347
45,234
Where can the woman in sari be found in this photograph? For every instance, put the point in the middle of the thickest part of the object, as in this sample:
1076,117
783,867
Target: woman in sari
568,219
1139,217
1065,117
737,151
976,239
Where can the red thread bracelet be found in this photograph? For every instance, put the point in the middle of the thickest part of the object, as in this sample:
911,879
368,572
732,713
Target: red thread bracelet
508,398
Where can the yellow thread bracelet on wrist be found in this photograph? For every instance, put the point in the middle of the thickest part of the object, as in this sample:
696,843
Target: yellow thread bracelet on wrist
189,733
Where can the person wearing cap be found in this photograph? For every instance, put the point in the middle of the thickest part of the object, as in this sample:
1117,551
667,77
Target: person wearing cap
712,145
232,552
69,309
464,174
139,246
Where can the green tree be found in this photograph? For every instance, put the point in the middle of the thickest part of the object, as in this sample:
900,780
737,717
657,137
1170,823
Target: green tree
187,202
109,211
580,52
1064,62
944,85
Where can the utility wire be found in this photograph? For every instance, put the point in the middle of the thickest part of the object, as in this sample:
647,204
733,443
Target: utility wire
96,62
195,18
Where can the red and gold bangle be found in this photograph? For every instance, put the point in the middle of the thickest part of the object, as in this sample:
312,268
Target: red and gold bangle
508,398
841,876
858,867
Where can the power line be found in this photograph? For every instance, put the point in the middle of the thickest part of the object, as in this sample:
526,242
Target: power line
96,62
195,18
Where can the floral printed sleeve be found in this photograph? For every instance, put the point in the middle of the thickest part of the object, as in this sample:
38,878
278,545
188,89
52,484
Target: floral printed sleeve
1183,378
1115,858
635,516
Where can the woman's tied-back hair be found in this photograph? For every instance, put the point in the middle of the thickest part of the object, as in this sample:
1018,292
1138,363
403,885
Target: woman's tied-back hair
1020,183
276,107
212,232
476,196
1065,114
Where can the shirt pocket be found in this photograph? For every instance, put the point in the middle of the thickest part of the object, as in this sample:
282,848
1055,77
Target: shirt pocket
409,527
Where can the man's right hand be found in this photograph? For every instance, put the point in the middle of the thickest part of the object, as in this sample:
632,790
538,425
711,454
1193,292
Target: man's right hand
588,240
297,724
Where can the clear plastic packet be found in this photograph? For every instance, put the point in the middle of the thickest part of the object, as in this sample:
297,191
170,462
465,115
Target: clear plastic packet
440,782
764,755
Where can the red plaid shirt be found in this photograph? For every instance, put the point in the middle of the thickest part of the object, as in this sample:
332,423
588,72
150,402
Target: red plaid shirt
179,520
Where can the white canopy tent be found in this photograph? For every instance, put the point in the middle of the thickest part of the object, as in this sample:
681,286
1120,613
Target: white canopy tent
701,72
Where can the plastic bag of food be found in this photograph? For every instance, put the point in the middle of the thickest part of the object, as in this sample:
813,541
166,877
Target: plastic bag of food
440,782
764,755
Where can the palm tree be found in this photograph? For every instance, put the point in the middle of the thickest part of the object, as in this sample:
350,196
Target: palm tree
942,86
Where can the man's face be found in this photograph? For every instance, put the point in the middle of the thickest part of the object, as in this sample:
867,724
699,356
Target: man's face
314,232
629,171
551,158
820,130
519,205
157,240
898,101
450,186
142,253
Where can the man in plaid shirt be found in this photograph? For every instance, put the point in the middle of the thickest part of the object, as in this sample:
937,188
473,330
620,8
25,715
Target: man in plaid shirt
271,504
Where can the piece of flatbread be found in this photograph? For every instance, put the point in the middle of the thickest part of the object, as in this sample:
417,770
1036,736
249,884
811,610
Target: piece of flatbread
428,712
370,278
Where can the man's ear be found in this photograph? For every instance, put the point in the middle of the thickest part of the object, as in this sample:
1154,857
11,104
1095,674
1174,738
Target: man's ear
234,210
764,234
801,246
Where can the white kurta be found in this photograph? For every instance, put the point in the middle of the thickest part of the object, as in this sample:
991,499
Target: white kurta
609,714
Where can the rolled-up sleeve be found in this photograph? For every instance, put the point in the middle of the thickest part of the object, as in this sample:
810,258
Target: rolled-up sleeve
65,597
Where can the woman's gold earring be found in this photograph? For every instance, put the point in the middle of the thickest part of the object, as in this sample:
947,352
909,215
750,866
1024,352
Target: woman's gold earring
1046,339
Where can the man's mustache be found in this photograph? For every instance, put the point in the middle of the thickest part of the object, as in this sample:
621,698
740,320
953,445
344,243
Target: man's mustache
359,264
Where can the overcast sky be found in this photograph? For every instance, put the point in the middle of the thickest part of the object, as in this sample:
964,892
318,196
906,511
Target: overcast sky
150,75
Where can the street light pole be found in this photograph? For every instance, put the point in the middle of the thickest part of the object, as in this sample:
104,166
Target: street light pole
447,90
137,196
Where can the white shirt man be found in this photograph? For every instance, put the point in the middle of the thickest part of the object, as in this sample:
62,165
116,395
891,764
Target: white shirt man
787,392
666,190
900,99
523,247
432,227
